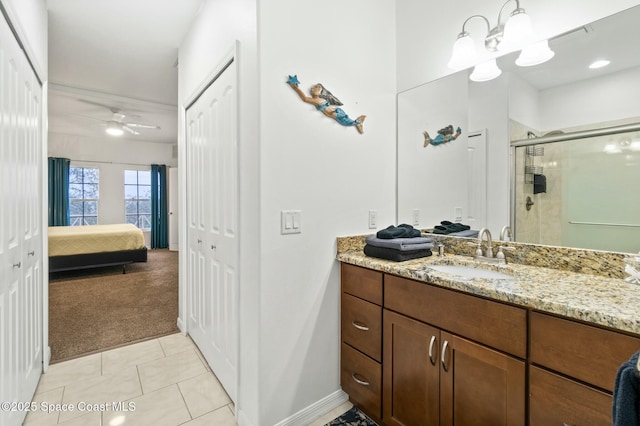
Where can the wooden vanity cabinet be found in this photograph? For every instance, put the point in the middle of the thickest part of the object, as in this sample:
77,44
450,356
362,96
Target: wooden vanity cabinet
361,336
573,370
436,377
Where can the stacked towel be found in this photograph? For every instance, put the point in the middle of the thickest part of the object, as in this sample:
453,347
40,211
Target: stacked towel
400,231
446,227
626,394
398,243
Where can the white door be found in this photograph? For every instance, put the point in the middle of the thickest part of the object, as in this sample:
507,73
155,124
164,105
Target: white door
476,180
21,240
173,208
212,239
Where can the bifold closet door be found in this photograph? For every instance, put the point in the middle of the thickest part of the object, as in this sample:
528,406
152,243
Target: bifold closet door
212,237
21,239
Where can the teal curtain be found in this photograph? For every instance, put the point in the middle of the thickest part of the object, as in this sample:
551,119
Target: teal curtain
159,216
59,191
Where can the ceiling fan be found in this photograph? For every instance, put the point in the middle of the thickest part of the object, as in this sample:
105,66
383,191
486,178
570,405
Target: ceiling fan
117,126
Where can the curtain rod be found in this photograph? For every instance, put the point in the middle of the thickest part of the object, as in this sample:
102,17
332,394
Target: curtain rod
605,131
114,162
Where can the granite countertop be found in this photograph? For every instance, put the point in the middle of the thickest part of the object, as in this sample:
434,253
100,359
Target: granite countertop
601,300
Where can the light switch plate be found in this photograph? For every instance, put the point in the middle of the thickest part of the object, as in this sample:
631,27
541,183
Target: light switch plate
290,222
373,219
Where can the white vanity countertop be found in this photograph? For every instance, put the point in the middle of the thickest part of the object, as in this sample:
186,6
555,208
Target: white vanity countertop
610,302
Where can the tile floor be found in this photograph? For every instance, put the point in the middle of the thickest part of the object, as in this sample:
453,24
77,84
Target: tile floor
163,381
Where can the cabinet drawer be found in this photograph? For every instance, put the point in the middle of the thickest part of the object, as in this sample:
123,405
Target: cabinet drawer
494,324
555,400
361,282
361,378
590,354
362,326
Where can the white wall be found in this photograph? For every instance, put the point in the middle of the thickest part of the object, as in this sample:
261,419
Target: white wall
112,157
331,173
29,18
295,158
216,29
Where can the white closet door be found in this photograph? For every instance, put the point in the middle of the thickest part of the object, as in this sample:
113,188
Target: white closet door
212,209
20,227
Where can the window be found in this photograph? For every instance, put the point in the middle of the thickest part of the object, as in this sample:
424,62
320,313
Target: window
83,195
137,197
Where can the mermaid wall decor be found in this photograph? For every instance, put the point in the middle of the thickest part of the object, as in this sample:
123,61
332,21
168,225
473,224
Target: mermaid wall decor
444,135
326,103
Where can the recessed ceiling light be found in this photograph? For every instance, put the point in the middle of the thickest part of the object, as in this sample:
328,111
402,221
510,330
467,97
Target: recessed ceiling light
599,64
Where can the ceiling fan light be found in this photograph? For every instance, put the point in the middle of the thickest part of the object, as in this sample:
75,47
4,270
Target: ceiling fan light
534,54
114,130
485,71
463,54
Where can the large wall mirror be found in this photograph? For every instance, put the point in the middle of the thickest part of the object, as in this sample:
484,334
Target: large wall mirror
579,191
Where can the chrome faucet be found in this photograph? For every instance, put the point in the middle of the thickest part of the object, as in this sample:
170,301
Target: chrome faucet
506,230
489,252
487,256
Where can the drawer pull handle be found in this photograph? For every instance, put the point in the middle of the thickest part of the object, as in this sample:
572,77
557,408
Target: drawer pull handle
362,381
360,326
17,265
432,343
443,359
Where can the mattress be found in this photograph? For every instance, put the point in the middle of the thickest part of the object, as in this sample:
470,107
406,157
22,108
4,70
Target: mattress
71,240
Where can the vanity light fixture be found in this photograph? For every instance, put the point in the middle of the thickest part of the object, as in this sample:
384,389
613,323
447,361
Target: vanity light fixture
516,32
485,71
535,54
114,129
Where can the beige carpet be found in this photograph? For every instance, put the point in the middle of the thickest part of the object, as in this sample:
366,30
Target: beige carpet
98,309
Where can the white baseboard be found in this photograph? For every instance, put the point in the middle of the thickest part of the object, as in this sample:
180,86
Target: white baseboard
180,325
315,410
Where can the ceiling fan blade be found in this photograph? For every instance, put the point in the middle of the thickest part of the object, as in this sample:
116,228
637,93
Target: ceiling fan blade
130,130
110,108
90,118
141,126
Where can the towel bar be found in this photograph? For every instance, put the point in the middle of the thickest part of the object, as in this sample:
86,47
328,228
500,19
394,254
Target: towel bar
604,224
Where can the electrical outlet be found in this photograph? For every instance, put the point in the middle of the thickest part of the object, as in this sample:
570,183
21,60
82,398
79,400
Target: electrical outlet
457,214
373,219
416,217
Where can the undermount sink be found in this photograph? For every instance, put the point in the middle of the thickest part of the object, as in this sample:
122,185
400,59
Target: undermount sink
470,272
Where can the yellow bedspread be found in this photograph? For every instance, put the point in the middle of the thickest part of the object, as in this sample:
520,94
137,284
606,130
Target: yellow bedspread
68,240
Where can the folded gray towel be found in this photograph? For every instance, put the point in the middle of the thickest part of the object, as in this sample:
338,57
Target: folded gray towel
470,233
402,244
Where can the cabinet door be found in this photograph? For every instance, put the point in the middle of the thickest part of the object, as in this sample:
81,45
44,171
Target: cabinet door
479,386
410,373
555,400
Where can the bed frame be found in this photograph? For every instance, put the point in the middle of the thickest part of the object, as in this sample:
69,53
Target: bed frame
97,260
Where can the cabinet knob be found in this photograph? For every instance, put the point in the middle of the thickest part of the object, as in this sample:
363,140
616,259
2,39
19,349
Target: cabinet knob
432,343
443,355
359,326
361,381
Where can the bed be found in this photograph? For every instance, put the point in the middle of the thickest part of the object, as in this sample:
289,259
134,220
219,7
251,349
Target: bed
93,246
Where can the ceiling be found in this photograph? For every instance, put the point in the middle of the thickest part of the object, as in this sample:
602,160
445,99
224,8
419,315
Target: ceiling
116,55
614,38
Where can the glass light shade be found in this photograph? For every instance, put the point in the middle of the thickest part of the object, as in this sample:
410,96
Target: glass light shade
114,130
464,53
535,54
517,31
485,71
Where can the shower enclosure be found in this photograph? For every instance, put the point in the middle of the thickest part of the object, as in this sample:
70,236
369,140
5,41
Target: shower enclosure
578,189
